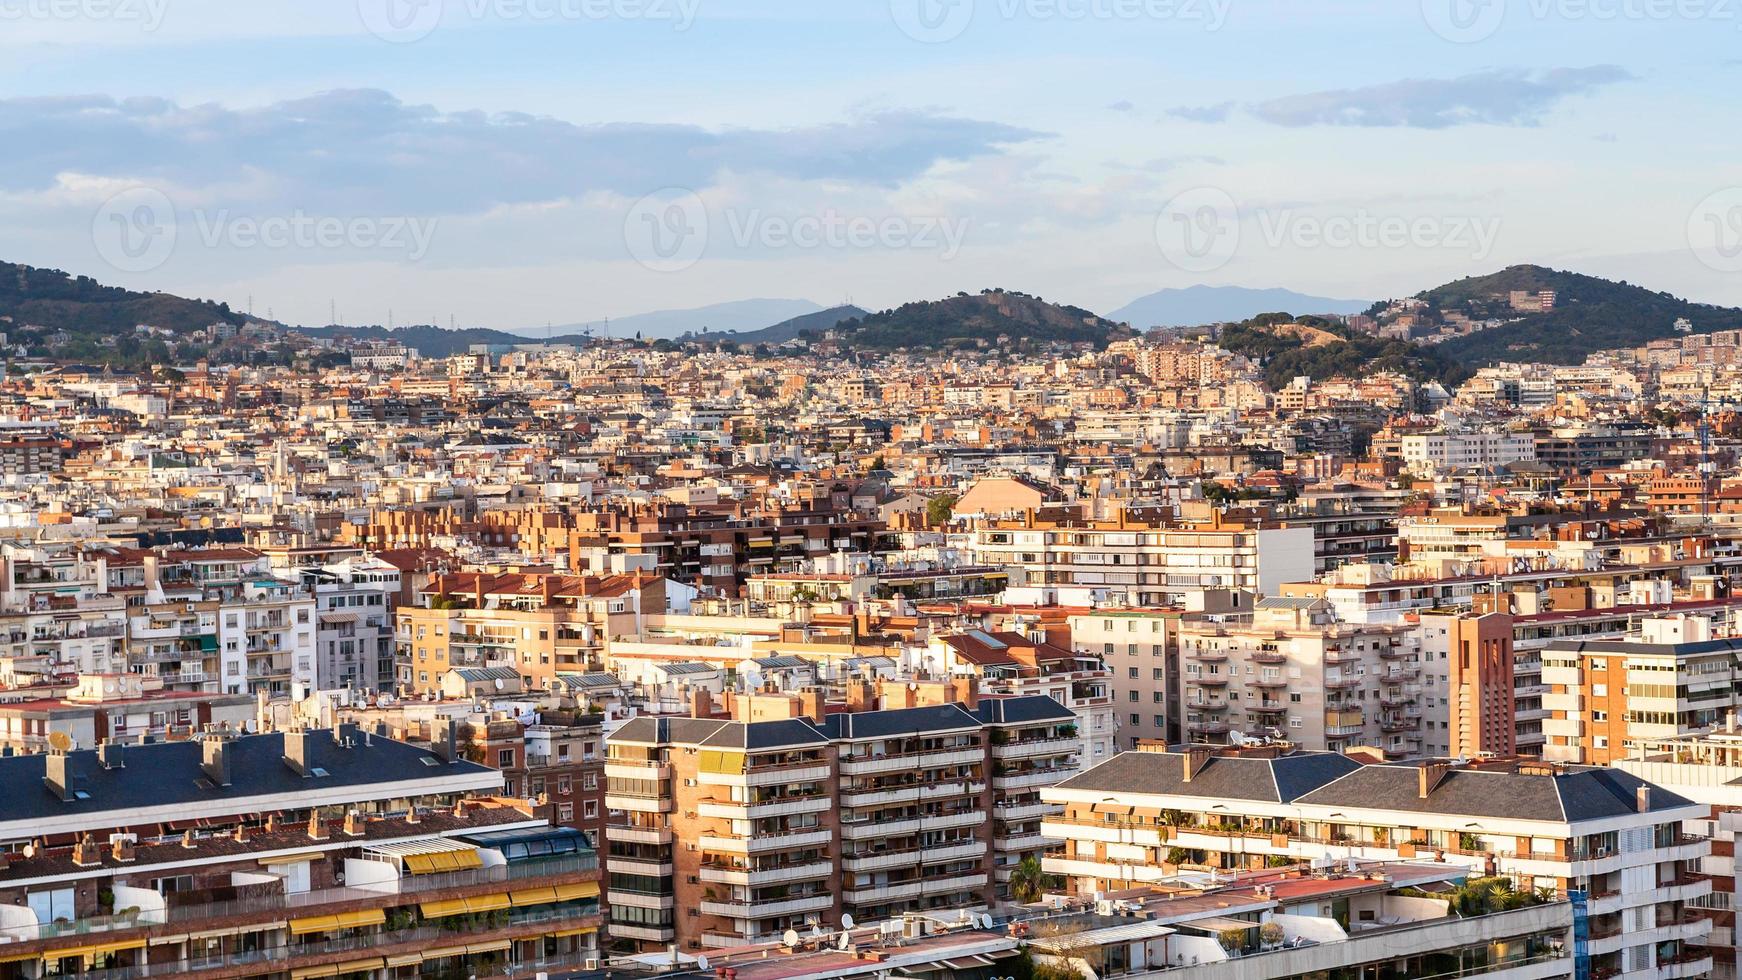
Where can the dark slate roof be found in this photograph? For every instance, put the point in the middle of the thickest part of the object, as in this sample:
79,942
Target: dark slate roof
1030,709
719,734
1277,780
1722,645
170,773
899,721
1573,794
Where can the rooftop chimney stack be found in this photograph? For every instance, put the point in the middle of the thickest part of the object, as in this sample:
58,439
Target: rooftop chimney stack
442,740
60,774
215,758
298,755
112,755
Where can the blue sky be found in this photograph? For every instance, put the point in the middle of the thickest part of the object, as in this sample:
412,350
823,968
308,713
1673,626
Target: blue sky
513,162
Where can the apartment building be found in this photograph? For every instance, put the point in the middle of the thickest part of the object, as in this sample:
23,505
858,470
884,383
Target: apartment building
101,707
1017,664
282,856
1296,672
1481,699
1138,648
1597,835
354,640
1138,562
727,831
1705,767
1433,453
537,623
266,640
1673,677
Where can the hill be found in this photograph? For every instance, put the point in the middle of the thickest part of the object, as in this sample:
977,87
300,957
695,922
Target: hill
740,315
437,342
1289,347
1588,314
56,301
991,317
1200,305
816,323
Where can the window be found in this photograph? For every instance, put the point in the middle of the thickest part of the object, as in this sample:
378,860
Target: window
505,759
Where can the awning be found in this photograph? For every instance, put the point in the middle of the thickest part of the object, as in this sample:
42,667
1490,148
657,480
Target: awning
968,963
312,924
405,959
302,858
443,953
582,931
337,969
439,861
19,957
580,889
500,945
97,949
462,906
533,896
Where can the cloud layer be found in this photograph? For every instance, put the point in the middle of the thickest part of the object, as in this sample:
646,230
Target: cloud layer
349,149
1497,97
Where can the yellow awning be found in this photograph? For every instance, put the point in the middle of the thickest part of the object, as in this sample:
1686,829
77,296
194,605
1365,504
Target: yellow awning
495,947
437,862
533,896
583,931
366,917
405,959
95,949
580,889
19,957
461,906
314,923
444,953
339,969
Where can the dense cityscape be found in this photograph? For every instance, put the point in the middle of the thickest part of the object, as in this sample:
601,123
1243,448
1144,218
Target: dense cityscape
870,490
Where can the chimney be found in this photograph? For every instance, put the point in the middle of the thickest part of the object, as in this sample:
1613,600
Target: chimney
122,850
298,755
442,740
188,840
61,774
111,755
412,816
345,734
1642,799
354,823
811,703
317,828
701,703
1428,777
1195,759
215,759
86,853
241,834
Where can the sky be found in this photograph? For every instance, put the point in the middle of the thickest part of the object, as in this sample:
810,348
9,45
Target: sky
511,163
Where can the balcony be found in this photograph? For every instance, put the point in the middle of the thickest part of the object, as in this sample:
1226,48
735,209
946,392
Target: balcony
1031,748
1011,813
865,766
763,843
1031,779
733,909
860,830
729,874
1268,657
638,835
779,807
877,860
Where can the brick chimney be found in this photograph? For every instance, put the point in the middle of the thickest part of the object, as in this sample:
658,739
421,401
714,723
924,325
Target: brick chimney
811,703
188,840
317,828
1195,759
86,853
298,751
1642,799
354,823
1428,777
123,850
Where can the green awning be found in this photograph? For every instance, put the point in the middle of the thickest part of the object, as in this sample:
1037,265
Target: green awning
208,643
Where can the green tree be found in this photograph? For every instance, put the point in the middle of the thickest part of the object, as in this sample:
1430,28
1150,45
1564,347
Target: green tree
1029,881
939,510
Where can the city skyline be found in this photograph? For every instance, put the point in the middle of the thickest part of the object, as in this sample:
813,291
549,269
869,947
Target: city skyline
506,164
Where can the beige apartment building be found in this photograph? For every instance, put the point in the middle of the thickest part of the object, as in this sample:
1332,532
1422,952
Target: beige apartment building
538,623
792,812
1294,671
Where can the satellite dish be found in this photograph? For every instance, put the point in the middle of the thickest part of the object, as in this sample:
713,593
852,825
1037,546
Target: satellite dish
985,921
846,943
702,963
498,683
790,938
61,741
847,920
816,930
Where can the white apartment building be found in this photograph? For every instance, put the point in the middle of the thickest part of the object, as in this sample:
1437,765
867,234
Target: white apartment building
1596,832
1137,563
266,641
1440,452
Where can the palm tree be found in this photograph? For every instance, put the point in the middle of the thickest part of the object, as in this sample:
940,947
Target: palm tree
1029,881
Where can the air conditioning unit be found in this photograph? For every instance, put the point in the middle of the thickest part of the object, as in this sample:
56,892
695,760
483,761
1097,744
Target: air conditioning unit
591,963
